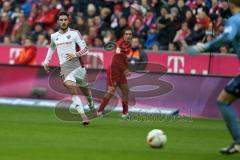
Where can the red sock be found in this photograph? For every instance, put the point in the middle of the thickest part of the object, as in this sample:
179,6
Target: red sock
103,104
125,107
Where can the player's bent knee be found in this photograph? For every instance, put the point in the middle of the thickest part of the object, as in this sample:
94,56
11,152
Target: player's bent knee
70,84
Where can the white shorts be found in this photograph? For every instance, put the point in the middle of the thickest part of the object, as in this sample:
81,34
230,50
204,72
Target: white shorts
78,75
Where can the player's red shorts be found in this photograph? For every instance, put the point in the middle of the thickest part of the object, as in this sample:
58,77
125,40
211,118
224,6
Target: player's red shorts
115,79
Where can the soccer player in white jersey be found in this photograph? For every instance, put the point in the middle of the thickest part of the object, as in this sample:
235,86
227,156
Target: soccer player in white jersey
65,41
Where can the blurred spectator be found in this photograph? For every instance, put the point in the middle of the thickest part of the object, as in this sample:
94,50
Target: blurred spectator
116,16
7,40
171,4
165,31
80,6
182,33
134,14
33,14
100,26
215,10
90,22
56,4
80,25
224,49
42,40
218,25
225,11
182,48
182,8
175,23
91,10
6,8
126,9
26,8
110,37
50,31
196,35
209,33
5,25
136,56
119,29
37,29
163,18
208,37
105,14
16,13
151,37
208,3
145,4
196,6
98,42
172,47
96,18
190,19
191,4
20,28
139,29
22,39
149,18
28,55
203,19
46,16
92,34
155,6
68,6
155,47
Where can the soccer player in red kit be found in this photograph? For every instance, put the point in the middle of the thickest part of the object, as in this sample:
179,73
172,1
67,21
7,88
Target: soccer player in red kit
118,71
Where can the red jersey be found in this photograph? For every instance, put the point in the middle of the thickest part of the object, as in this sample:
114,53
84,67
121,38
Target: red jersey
119,59
119,64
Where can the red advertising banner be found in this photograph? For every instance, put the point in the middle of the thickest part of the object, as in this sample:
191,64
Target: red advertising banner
204,64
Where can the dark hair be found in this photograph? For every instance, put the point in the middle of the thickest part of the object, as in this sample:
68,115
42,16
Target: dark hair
235,2
135,37
30,38
127,29
62,13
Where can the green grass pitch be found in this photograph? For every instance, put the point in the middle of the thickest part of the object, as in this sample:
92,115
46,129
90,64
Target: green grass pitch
35,133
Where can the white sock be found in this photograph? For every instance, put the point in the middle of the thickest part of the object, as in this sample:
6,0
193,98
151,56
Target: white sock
79,104
76,100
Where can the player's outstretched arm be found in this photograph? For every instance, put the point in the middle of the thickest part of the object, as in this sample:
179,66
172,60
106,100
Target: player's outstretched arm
196,49
230,32
49,56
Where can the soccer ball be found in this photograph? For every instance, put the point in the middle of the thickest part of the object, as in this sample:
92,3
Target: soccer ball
156,138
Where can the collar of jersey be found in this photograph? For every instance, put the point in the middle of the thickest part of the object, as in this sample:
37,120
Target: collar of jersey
65,32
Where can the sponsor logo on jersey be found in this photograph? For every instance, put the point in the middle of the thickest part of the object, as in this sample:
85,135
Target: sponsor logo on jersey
64,43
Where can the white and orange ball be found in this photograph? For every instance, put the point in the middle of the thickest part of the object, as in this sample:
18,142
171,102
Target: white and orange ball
156,138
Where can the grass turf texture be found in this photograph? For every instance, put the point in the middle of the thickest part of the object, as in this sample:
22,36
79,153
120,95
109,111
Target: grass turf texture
35,133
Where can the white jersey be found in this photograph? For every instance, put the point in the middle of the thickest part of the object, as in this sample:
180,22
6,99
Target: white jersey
65,44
